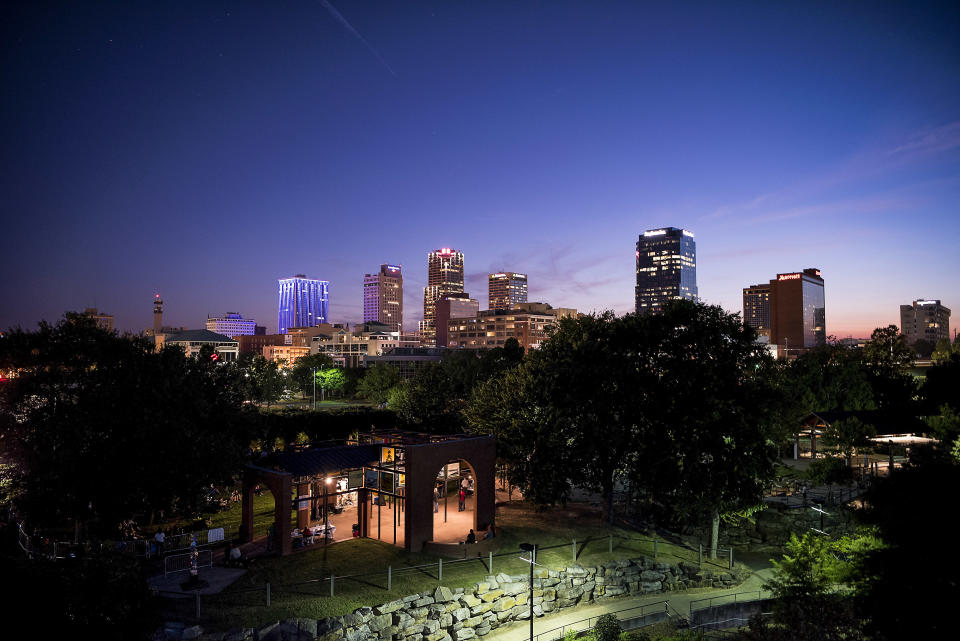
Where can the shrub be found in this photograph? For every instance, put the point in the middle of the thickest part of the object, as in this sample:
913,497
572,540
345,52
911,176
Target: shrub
607,628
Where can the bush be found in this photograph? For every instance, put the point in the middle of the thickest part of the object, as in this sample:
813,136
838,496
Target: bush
829,470
607,628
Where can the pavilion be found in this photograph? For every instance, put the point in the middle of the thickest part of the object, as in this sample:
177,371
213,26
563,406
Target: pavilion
383,483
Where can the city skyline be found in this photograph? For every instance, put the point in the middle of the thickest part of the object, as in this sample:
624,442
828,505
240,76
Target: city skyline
146,152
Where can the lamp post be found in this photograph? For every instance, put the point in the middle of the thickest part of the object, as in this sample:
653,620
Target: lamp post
314,370
326,510
532,549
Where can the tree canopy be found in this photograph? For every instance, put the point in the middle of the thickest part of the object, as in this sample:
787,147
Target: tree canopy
100,426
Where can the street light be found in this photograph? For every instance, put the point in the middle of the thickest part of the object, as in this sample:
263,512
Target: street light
532,549
314,370
326,511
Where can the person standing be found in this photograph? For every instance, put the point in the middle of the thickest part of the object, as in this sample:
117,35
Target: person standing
436,500
159,539
463,499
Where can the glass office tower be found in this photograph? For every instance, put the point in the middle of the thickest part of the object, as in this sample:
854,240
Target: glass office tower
303,302
666,268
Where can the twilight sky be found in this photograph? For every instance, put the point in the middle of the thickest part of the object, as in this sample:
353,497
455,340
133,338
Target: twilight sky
204,149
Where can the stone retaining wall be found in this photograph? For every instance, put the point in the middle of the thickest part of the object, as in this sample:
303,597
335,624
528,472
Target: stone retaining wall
460,614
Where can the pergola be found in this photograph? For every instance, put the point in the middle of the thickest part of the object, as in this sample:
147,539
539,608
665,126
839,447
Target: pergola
890,430
398,469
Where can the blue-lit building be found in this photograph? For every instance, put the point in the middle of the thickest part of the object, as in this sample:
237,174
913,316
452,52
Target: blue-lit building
303,302
666,268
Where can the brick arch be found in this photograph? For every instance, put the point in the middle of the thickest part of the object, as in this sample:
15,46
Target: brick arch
280,485
423,461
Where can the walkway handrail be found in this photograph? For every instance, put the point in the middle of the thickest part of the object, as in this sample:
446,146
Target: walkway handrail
735,595
662,605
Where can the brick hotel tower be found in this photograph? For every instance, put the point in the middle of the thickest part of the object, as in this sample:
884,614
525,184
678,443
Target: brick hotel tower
666,268
506,289
383,297
303,302
444,277
789,309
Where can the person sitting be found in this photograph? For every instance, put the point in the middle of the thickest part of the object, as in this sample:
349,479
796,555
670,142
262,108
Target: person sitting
471,538
489,534
308,536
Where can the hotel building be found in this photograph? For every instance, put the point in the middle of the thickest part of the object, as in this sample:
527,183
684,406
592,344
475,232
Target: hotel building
925,320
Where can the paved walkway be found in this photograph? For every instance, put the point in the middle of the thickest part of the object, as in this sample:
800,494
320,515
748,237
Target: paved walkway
679,601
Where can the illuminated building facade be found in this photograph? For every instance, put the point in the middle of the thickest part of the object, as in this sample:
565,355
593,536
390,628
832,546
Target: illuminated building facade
666,268
505,289
756,308
383,297
526,322
103,321
453,306
303,302
232,324
444,277
925,320
797,311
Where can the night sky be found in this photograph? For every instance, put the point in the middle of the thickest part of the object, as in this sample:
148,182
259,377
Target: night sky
204,149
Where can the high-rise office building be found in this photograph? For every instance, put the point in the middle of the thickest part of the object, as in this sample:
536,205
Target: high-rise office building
383,297
303,302
756,308
666,268
506,289
444,277
925,320
232,324
797,311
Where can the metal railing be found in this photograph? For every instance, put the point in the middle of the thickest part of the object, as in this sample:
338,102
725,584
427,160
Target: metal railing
709,602
174,563
584,625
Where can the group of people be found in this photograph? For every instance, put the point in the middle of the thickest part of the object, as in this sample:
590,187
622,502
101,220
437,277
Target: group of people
489,534
465,490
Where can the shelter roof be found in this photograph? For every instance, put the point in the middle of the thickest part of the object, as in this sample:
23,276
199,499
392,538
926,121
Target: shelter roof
884,422
327,460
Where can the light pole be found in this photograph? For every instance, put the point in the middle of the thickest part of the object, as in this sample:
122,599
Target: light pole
532,549
326,510
314,370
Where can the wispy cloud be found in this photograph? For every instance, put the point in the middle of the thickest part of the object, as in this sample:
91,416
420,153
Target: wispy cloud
928,142
811,196
356,34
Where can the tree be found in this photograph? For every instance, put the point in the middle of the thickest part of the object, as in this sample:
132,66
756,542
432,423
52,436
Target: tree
377,383
923,348
808,604
302,375
908,588
888,349
331,379
943,350
830,377
717,413
90,412
941,385
679,401
848,434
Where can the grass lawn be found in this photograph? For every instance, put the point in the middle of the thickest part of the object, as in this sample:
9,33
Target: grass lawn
300,584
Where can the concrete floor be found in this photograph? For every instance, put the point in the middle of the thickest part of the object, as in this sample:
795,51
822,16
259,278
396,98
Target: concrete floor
449,524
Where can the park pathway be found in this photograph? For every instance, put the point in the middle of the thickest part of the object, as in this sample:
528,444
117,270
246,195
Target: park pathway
679,602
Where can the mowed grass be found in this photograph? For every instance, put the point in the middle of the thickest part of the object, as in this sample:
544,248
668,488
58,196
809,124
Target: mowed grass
300,585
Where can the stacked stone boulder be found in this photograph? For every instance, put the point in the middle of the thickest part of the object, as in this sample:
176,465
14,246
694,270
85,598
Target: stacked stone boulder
446,614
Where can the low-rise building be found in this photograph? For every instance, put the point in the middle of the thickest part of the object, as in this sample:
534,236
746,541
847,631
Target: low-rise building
194,340
406,360
526,322
232,324
285,355
350,349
